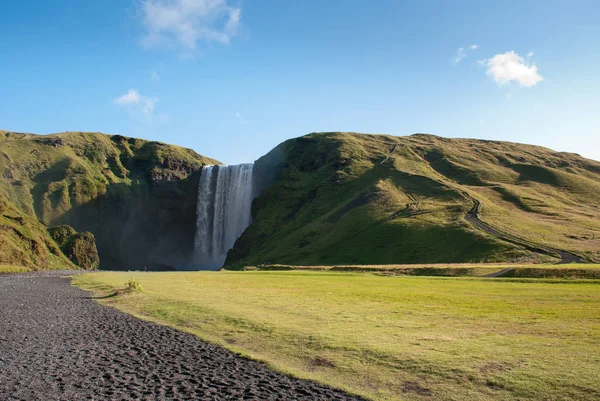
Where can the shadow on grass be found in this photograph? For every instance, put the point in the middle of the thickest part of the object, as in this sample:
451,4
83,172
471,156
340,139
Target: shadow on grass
111,295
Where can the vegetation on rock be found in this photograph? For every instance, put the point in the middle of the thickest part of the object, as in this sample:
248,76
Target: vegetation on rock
137,198
25,243
346,198
80,248
325,198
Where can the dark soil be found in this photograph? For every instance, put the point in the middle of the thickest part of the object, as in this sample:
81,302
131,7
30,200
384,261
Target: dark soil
56,343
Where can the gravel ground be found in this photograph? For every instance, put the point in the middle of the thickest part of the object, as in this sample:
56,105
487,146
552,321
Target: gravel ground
56,343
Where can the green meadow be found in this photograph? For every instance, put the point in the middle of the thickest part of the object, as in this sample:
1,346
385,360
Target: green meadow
386,337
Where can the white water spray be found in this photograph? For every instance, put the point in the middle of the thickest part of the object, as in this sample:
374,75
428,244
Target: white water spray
223,212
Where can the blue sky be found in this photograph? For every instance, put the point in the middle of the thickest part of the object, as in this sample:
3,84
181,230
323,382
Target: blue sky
232,79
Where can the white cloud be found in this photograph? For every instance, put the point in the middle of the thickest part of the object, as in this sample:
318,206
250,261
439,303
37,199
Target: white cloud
508,67
530,55
155,76
242,120
137,103
461,53
183,23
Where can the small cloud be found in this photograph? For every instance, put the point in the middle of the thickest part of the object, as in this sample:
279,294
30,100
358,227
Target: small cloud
530,55
183,23
242,120
136,103
155,76
508,67
461,53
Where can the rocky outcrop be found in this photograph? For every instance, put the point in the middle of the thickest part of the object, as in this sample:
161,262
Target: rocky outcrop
80,248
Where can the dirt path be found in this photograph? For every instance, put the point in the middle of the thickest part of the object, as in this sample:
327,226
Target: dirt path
56,343
473,218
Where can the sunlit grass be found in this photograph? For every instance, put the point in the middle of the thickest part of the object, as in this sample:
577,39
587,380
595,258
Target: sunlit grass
12,269
388,337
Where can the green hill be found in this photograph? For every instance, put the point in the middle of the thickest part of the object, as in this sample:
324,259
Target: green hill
346,198
89,200
136,197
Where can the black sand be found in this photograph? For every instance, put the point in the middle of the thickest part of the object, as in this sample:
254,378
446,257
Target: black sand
56,343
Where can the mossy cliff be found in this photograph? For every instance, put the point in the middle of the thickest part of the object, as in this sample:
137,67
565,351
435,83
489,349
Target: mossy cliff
324,198
137,197
80,248
336,198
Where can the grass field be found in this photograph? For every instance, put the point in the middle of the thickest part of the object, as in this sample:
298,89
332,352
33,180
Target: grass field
388,338
568,271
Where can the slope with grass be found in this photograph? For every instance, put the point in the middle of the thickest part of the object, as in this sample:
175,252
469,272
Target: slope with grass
136,197
388,338
26,244
329,198
376,199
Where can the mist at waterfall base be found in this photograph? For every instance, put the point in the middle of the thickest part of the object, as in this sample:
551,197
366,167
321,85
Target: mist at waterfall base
223,212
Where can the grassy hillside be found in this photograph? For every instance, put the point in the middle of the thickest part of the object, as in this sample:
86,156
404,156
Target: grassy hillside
376,199
329,198
135,196
25,243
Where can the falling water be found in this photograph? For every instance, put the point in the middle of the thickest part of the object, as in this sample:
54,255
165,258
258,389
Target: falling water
223,212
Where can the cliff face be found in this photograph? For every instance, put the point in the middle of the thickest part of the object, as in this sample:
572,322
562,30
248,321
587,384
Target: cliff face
136,197
344,198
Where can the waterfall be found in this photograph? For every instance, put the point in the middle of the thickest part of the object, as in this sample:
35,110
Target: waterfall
222,213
